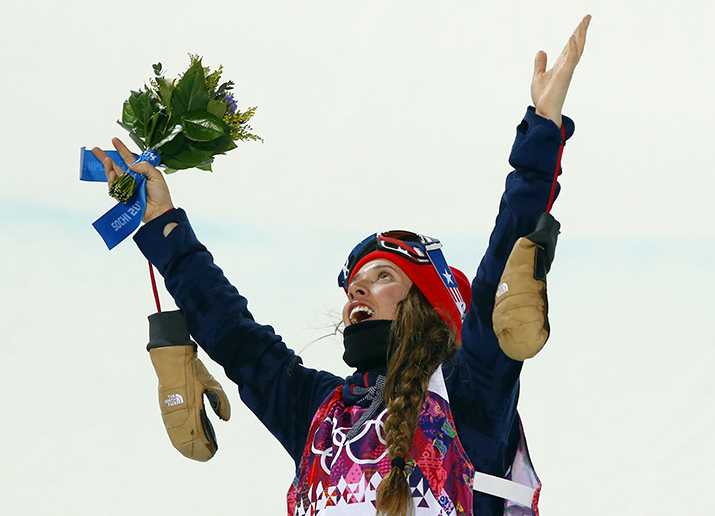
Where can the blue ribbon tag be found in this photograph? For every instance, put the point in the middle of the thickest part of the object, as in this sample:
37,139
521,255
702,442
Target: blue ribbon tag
91,169
122,220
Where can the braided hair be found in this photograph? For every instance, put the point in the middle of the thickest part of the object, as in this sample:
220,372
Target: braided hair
420,341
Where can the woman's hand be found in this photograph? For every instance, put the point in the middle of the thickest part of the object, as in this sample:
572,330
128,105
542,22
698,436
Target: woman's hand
158,199
549,88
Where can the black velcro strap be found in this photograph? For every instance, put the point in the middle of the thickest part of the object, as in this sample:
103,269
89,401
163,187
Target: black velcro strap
545,236
168,329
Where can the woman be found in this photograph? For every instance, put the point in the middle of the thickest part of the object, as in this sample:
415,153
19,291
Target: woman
448,433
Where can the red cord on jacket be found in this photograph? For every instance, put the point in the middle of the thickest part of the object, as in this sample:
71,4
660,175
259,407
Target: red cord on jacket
558,167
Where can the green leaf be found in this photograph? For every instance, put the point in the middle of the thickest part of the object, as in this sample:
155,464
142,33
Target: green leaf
166,90
226,86
128,127
190,93
217,107
128,116
187,157
137,140
206,163
207,168
140,103
164,127
168,137
151,130
174,145
170,170
215,146
202,126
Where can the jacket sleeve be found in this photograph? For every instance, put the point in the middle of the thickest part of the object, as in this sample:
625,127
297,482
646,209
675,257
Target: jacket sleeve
271,379
483,382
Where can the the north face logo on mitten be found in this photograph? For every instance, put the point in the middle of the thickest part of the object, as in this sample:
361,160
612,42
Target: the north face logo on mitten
173,399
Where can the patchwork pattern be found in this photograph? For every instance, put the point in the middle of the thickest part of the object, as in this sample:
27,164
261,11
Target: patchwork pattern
339,474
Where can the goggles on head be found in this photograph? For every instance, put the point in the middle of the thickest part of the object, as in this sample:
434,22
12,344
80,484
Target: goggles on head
406,244
416,248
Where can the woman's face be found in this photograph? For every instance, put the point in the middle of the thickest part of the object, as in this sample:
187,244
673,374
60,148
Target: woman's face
375,291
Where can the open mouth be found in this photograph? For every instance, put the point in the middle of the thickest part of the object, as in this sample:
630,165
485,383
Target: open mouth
360,313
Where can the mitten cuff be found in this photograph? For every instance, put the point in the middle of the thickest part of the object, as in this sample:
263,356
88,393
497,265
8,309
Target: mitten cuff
168,329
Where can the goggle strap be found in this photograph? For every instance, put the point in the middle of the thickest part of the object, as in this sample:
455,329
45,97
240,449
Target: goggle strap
450,282
343,277
433,248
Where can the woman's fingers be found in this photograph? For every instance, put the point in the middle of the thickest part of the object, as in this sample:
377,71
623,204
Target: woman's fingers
125,153
111,169
99,154
571,54
580,32
577,41
158,196
144,168
549,87
540,63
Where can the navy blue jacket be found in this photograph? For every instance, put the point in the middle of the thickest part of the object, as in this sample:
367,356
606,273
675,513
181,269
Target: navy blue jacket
482,382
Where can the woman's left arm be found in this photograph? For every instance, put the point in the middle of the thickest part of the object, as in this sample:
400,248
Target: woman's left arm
483,382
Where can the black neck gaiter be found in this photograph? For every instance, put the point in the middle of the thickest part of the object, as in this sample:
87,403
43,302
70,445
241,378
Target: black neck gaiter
366,344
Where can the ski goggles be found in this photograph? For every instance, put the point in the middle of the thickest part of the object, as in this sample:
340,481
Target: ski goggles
438,282
416,248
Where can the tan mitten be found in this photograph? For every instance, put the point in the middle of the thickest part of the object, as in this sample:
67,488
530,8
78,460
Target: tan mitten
520,317
183,381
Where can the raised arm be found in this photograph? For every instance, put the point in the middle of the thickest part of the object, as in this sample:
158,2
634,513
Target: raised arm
483,382
270,377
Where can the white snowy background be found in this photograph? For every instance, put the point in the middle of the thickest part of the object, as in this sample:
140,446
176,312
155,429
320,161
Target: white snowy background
376,115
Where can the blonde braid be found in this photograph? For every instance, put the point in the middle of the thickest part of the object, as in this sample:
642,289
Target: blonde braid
419,342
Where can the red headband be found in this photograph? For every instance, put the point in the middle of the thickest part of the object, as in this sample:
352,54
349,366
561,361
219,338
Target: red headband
426,278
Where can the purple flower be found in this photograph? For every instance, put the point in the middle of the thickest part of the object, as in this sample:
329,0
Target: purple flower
231,106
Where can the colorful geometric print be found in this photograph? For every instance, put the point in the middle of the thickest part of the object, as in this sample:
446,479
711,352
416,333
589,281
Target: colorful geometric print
522,471
341,477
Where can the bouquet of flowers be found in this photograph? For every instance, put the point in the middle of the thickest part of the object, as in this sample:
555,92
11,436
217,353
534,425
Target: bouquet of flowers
187,121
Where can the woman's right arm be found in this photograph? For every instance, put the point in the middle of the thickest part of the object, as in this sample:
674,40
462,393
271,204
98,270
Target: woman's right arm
271,379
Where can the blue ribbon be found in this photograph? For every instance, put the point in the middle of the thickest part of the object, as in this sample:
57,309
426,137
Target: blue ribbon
122,220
